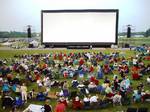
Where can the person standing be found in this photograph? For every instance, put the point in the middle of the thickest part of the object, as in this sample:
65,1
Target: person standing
23,90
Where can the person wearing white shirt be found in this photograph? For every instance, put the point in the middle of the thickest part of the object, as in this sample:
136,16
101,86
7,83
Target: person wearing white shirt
23,90
94,99
94,102
86,101
117,99
148,80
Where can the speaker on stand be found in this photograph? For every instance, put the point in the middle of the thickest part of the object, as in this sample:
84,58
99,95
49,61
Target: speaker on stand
29,36
128,31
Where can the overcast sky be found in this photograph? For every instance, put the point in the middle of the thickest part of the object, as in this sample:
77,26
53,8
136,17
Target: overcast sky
16,14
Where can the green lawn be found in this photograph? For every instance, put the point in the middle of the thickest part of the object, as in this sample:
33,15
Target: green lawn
7,54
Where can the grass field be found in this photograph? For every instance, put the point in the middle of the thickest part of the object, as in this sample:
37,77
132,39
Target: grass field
7,54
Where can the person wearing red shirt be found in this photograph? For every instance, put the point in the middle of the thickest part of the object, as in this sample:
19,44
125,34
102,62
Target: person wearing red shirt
81,62
60,56
76,103
60,107
135,72
91,69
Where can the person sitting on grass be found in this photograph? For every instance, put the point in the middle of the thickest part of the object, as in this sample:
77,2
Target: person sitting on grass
47,107
31,94
92,87
135,72
74,83
77,103
147,69
109,92
5,87
1,80
106,68
136,96
106,80
117,99
86,102
116,82
148,80
7,101
146,96
100,73
64,101
60,107
94,101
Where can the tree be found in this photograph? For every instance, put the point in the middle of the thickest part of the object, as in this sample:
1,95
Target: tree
147,33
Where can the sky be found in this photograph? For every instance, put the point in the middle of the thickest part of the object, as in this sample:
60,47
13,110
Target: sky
15,15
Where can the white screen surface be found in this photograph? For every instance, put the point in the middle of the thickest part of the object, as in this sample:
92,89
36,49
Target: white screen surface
79,27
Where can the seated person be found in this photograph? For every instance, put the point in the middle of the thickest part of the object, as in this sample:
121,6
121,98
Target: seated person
101,88
145,95
75,83
86,102
109,92
117,99
115,65
9,78
76,103
18,102
100,73
7,101
148,80
1,80
30,78
31,94
40,96
135,72
86,82
106,80
92,87
66,92
126,68
60,94
81,85
136,96
16,88
147,69
106,68
64,101
5,88
115,82
47,107
60,107
94,101
140,87
94,80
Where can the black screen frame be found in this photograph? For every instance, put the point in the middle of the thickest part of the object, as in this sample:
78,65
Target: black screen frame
94,44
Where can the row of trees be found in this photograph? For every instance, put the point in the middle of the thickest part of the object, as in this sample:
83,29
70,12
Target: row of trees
14,34
147,33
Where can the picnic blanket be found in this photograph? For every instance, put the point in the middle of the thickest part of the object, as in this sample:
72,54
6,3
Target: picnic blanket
34,108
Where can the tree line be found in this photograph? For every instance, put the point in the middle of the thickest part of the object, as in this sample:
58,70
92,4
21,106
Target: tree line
14,34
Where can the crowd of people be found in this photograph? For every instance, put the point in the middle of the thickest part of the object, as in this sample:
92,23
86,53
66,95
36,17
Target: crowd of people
84,80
